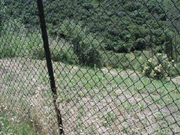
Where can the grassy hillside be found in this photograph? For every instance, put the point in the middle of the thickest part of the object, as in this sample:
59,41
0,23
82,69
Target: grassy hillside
17,40
118,34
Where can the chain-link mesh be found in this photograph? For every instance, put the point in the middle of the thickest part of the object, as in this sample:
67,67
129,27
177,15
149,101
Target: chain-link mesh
116,66
25,91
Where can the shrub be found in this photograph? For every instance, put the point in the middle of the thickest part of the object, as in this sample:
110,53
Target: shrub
140,44
111,59
118,60
171,45
159,67
3,16
16,41
11,41
6,51
176,47
85,45
64,54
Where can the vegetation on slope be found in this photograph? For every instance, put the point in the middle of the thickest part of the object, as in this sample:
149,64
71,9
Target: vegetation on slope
102,33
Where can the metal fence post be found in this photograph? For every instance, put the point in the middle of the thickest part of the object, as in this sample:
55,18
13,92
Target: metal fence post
49,63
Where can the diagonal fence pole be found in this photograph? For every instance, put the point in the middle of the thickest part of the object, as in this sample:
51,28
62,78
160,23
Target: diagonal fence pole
49,63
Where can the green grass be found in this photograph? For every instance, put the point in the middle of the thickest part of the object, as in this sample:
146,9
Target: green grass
79,86
91,79
11,124
118,87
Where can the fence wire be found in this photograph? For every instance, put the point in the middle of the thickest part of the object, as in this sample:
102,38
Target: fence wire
115,64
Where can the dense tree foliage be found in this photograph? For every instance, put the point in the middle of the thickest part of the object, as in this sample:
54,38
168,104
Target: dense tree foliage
121,26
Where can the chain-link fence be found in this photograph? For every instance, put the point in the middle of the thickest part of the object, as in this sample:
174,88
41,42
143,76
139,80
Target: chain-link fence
94,67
